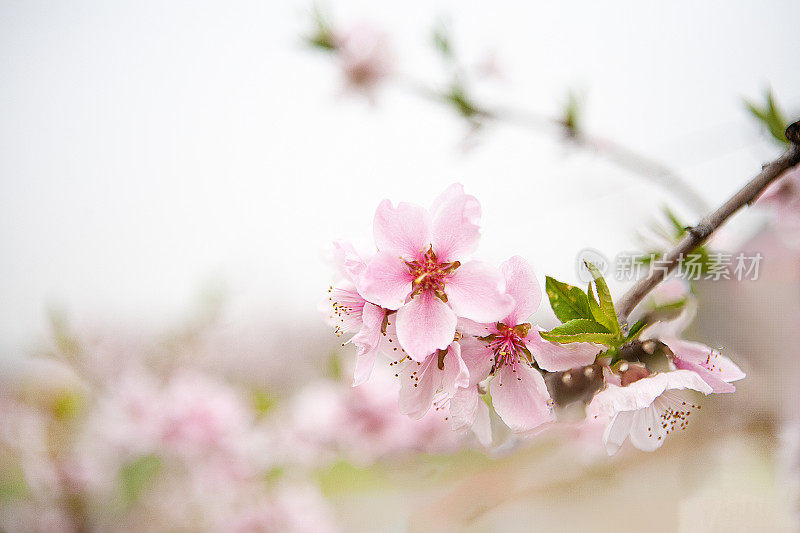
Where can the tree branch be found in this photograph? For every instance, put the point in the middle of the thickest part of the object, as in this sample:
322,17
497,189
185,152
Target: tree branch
619,155
708,225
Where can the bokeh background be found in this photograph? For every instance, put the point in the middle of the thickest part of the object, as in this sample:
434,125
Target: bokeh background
173,172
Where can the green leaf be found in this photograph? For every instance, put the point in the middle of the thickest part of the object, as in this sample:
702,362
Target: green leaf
605,302
568,302
322,37
677,225
580,330
597,313
442,41
635,330
137,475
457,97
770,116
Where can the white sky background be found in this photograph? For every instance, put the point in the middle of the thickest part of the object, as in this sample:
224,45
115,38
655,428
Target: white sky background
148,149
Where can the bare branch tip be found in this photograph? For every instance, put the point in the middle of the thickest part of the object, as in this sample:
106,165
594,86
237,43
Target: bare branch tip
793,133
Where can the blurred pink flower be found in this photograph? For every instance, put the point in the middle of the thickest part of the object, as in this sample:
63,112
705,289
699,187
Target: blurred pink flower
293,509
365,57
326,421
646,410
417,271
784,196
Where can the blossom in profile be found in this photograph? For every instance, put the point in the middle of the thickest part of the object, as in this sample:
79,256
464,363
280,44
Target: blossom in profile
716,369
434,380
418,271
647,410
350,313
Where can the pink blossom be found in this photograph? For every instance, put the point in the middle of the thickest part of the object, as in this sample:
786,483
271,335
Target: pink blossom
326,421
467,410
507,349
784,196
294,509
714,368
717,370
418,271
646,410
434,380
350,312
365,57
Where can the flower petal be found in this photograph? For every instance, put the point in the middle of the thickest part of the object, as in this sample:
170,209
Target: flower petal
417,387
478,358
453,191
652,424
463,408
366,342
476,291
642,393
455,217
386,281
520,398
717,385
343,307
617,431
403,230
424,325
347,261
715,365
476,329
455,374
521,284
555,357
482,427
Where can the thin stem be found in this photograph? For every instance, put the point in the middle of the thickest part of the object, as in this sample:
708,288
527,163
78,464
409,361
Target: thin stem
708,225
620,155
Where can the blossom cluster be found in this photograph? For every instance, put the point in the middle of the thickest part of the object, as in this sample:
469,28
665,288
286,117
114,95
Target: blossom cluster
118,430
457,334
142,450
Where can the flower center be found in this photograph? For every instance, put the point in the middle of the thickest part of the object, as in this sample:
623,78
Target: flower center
430,274
507,345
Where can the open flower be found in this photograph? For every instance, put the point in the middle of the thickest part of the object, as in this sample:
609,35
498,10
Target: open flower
349,312
507,349
646,410
418,271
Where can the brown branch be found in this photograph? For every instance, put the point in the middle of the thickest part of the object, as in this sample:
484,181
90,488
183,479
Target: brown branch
708,225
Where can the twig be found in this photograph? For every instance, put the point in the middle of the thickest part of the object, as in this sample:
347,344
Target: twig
708,225
618,154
